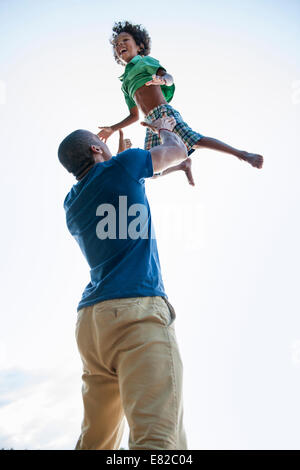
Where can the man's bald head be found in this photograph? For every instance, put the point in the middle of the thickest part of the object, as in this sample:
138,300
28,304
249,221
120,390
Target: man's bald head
76,152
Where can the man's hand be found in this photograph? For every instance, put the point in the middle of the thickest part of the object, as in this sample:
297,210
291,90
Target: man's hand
124,144
105,133
166,122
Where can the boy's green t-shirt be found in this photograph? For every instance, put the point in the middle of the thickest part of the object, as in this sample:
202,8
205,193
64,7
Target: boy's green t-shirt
139,71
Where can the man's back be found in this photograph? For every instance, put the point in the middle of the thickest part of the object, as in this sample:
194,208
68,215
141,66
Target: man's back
108,214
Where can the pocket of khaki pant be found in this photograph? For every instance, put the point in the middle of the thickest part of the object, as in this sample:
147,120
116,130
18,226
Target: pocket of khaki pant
171,310
80,314
167,312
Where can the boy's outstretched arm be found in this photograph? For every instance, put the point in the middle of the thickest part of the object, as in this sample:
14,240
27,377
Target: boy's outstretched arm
107,131
161,78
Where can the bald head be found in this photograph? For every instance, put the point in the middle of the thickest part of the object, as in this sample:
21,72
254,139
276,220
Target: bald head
77,152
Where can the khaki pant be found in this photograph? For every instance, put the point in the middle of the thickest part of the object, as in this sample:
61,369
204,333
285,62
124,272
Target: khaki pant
131,367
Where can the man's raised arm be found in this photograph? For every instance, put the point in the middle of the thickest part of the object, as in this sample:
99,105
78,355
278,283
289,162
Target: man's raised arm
172,150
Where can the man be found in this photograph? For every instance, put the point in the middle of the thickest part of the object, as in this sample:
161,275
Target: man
125,324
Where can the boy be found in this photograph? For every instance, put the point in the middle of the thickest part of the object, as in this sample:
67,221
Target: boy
148,88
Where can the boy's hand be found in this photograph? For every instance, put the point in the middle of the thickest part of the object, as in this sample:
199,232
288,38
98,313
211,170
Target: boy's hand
156,80
105,133
166,122
124,144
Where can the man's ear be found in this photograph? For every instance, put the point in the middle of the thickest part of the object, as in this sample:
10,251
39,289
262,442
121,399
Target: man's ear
142,47
96,149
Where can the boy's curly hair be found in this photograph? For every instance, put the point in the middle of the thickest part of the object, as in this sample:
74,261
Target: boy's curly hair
139,34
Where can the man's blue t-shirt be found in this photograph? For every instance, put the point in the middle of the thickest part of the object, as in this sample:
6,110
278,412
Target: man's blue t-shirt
108,214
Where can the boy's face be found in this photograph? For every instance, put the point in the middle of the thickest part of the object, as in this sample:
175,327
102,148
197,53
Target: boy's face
126,47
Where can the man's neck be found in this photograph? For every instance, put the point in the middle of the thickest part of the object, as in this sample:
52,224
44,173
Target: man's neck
85,172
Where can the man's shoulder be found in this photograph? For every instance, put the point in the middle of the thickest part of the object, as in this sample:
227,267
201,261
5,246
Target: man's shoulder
131,155
130,152
136,161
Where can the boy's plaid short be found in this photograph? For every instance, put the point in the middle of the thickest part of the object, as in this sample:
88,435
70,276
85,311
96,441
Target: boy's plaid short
187,135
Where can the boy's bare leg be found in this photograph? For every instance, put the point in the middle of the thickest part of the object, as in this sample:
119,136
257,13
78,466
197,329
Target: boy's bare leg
208,142
184,166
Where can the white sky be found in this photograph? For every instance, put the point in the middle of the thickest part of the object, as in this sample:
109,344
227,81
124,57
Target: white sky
228,247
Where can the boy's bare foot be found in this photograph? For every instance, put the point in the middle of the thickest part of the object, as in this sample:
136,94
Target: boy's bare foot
186,166
253,158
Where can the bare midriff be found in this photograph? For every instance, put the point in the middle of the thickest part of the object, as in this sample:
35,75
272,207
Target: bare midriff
148,97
